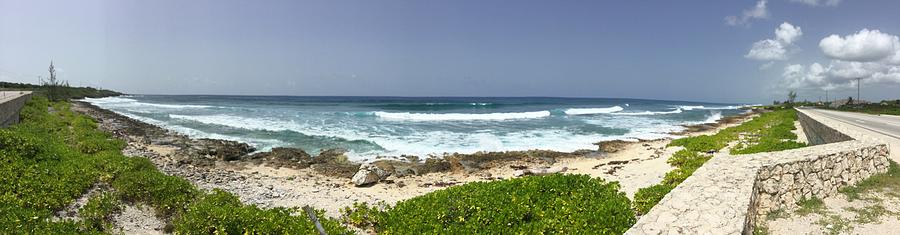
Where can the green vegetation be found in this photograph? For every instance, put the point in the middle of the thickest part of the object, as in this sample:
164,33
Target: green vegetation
222,213
837,224
55,155
362,215
771,131
888,182
646,198
810,205
777,214
98,210
564,204
62,92
869,214
890,107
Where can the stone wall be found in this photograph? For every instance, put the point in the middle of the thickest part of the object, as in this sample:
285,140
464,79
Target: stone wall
730,193
10,105
818,133
815,172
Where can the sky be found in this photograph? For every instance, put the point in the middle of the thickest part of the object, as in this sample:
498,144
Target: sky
751,51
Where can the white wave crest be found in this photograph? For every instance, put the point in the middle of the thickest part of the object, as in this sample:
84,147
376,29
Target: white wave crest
240,122
108,100
692,107
713,117
460,116
583,111
126,102
175,106
677,110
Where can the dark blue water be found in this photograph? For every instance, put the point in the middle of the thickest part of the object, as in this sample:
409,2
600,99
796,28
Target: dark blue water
372,126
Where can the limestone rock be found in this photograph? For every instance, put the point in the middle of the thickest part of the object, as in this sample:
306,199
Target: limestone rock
369,174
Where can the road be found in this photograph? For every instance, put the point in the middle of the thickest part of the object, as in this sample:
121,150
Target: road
888,125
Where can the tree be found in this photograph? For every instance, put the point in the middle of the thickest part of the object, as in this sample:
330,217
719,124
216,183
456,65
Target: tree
849,100
55,87
792,95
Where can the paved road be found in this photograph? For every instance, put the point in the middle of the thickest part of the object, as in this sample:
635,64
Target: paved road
888,125
10,95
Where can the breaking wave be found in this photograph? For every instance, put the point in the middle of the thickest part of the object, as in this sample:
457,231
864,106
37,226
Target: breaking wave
583,111
677,110
460,116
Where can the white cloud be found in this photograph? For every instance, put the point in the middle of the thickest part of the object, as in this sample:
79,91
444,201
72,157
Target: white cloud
864,46
775,49
797,76
819,2
767,49
870,55
839,74
787,33
758,11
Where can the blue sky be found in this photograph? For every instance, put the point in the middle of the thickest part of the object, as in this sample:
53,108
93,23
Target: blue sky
679,50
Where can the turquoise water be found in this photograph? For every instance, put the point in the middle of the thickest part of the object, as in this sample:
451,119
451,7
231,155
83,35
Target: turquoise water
390,126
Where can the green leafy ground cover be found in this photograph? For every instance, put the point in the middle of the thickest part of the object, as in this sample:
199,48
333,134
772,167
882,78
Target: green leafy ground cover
770,131
55,155
560,204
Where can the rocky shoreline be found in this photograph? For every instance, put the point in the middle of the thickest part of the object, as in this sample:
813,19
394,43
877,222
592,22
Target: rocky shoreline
291,177
206,153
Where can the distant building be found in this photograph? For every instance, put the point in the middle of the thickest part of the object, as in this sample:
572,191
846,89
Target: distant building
842,102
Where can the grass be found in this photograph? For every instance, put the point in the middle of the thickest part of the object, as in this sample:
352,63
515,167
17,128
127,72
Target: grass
834,224
52,158
770,131
868,214
777,214
887,182
810,205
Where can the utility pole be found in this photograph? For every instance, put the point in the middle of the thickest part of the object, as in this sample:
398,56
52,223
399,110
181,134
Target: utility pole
857,90
826,95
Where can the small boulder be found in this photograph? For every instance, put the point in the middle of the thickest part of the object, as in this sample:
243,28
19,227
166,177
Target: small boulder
369,174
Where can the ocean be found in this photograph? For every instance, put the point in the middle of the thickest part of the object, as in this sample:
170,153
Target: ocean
391,126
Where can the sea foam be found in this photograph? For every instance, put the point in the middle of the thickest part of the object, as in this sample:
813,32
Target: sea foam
460,116
677,110
583,111
126,102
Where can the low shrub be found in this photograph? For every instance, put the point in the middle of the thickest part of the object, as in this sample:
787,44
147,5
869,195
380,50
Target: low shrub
646,198
565,204
96,213
15,219
675,177
701,143
167,194
362,215
687,158
222,213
